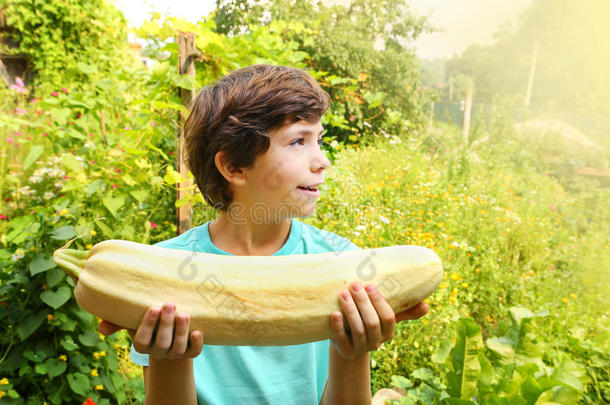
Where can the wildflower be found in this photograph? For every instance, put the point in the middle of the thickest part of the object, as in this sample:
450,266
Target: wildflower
35,179
4,381
573,296
63,357
2,216
88,246
97,355
55,94
93,233
9,140
489,318
19,111
566,300
114,186
64,90
455,276
35,100
2,393
99,387
442,286
19,254
94,372
48,195
89,401
384,219
50,317
465,285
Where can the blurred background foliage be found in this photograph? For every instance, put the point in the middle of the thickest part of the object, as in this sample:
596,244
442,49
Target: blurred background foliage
523,237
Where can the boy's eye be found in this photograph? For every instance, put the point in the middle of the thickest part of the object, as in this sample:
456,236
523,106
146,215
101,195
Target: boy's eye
320,141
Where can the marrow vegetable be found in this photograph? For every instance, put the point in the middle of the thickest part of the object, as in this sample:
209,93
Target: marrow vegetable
243,300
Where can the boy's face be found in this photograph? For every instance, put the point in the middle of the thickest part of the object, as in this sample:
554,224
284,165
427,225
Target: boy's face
272,189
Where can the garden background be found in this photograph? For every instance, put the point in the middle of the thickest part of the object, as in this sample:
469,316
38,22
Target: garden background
522,315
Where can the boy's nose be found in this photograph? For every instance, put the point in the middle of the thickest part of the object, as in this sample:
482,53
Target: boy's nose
320,161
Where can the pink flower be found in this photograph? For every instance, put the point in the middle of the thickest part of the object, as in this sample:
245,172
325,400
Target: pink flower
19,82
551,206
66,177
118,170
34,101
115,186
64,90
30,138
55,94
44,134
19,111
152,224
9,140
152,123
91,162
4,217
90,135
18,133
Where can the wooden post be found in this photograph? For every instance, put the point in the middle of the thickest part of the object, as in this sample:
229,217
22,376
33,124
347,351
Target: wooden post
186,66
467,110
530,81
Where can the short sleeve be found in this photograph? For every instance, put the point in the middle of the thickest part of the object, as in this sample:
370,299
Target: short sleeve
138,358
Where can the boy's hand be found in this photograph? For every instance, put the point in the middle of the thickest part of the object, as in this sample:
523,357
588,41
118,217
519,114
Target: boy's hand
370,318
169,341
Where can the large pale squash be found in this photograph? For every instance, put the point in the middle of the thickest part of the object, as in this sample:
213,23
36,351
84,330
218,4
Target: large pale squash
243,300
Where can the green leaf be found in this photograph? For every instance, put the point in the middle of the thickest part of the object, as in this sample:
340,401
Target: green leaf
40,368
109,233
39,264
89,338
70,161
29,325
54,277
503,348
68,343
56,299
441,353
186,82
85,68
113,204
35,356
464,356
64,233
55,367
140,195
401,382
79,383
34,154
423,374
172,176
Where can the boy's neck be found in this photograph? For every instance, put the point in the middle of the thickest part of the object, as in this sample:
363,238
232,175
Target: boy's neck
243,237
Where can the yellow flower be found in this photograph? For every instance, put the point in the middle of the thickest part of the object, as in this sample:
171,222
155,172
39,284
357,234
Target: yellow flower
94,372
455,276
532,274
102,337
425,321
2,393
4,381
63,357
99,387
93,233
442,286
573,295
489,318
50,317
465,285
88,246
565,300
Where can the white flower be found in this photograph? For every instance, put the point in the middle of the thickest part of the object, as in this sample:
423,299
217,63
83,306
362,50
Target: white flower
56,160
19,254
89,145
361,227
58,184
48,195
35,179
79,158
356,233
384,219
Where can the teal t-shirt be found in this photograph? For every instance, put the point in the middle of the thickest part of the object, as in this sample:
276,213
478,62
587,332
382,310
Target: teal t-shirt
287,375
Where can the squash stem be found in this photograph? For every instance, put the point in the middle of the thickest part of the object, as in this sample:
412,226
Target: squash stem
71,261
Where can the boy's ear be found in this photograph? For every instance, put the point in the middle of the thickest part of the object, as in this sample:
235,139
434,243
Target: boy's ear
232,174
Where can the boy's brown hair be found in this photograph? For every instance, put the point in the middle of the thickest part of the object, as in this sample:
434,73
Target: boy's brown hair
235,116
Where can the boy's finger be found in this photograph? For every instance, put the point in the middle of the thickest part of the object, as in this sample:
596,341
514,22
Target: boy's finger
384,311
181,335
144,333
195,344
415,312
354,320
165,333
342,339
368,317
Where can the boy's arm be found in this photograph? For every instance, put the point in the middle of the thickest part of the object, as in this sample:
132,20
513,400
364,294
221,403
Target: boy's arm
349,381
169,382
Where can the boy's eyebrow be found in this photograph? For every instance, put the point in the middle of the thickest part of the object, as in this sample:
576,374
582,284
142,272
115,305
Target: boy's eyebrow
306,132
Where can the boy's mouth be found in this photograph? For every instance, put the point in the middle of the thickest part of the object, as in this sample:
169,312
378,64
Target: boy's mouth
307,188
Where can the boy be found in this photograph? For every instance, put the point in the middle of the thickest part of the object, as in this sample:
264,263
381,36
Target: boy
252,142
